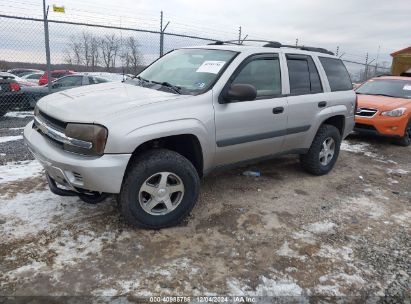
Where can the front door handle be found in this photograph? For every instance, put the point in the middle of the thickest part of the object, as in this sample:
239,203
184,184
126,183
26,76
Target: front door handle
278,110
322,104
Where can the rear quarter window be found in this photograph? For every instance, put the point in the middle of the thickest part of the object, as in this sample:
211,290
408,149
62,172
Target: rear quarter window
337,74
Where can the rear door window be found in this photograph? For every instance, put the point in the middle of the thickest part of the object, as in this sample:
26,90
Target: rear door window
337,74
303,75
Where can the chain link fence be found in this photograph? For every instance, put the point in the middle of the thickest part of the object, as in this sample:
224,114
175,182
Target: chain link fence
83,47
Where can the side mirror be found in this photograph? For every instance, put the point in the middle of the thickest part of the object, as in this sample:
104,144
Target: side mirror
240,92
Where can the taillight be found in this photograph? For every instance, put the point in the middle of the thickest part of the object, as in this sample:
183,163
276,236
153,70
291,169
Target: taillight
14,87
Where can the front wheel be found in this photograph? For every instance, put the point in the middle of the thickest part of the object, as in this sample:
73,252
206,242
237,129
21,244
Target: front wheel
159,190
405,141
324,151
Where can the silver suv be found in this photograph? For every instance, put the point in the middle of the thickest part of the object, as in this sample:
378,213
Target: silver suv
150,139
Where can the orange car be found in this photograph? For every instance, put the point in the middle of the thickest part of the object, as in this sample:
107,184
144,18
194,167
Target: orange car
384,108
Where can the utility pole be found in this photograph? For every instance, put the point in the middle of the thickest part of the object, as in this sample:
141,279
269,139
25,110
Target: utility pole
239,35
366,67
376,60
47,42
162,30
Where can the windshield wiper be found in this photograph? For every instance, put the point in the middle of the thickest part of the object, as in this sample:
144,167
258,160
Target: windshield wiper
142,79
383,95
375,94
176,89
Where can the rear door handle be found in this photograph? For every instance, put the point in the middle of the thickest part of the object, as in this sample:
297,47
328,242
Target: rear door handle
278,110
322,104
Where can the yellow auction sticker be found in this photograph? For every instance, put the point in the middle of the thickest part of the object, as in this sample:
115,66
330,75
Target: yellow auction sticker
58,9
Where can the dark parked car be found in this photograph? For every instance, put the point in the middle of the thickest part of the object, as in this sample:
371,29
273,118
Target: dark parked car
33,94
11,95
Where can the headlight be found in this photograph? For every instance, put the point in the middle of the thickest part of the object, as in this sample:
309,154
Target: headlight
86,139
394,113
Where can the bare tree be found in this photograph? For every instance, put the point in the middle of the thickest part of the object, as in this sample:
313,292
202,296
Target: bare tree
84,51
133,55
74,52
110,47
94,53
85,48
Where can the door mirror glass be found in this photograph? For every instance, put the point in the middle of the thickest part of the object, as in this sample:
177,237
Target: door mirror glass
240,92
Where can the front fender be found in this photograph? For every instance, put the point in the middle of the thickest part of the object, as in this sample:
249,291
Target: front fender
129,142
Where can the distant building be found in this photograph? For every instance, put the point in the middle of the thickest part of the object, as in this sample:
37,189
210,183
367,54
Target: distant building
401,61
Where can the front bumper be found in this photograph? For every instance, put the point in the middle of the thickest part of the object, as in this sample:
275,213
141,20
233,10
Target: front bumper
381,125
77,172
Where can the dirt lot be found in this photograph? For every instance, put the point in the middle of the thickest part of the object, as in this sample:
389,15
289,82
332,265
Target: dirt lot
285,233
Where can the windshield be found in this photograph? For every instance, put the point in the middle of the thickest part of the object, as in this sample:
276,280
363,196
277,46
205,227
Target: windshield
186,71
386,87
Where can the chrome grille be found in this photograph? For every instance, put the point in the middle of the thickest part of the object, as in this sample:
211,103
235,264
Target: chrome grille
53,131
366,112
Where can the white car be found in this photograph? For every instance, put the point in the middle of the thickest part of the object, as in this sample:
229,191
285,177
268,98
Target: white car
21,81
33,77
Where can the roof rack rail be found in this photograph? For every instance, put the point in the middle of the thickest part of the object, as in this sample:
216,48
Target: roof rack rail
275,44
218,42
309,48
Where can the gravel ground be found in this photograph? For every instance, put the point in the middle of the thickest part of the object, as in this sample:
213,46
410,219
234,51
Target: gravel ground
11,128
285,233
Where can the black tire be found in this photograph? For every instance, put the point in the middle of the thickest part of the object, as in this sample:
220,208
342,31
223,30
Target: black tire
147,165
405,141
94,198
311,160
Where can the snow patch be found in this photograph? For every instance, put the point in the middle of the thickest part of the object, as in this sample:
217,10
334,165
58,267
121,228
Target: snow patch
328,290
364,204
28,214
13,171
4,139
72,248
267,287
325,227
346,279
403,218
329,252
305,236
22,114
356,148
397,171
364,149
286,251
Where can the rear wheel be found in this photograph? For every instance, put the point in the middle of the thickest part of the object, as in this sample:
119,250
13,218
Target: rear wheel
159,190
405,141
324,151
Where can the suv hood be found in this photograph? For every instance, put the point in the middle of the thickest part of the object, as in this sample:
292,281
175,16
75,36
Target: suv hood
96,103
381,103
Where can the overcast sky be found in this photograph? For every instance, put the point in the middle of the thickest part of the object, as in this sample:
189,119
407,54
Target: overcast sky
357,27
